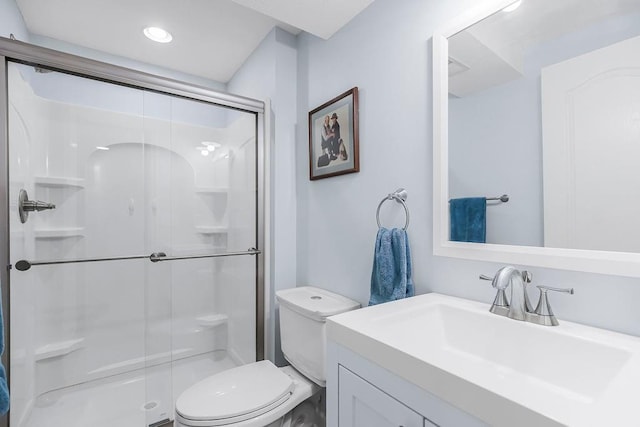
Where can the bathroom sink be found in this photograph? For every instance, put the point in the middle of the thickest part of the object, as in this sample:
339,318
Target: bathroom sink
495,367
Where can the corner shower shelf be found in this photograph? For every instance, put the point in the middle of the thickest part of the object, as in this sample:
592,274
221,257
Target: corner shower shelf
58,233
57,349
213,320
212,190
59,181
211,229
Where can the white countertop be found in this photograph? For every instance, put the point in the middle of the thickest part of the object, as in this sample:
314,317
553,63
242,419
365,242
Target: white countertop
502,371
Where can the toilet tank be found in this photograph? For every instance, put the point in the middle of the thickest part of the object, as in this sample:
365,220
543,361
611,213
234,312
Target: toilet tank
303,315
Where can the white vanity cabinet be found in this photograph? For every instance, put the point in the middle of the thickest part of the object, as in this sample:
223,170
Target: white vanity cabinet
362,404
363,394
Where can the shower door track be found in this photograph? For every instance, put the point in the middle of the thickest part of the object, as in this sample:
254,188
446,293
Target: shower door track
24,265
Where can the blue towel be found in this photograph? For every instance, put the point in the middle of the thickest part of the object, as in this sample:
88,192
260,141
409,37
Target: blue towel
391,276
4,388
468,219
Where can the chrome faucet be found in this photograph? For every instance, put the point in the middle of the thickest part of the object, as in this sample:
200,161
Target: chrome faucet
510,276
518,306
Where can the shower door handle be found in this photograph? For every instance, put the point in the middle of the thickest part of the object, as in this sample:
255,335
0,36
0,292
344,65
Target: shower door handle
25,206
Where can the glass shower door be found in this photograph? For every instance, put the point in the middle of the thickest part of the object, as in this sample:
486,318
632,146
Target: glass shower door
77,329
131,172
202,200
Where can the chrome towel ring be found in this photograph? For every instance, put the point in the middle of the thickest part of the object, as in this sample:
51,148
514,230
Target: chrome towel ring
400,196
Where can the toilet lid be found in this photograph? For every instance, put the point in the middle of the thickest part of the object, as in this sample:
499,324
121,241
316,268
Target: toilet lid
255,387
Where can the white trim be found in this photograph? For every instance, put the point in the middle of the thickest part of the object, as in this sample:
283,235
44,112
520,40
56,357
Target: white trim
269,351
604,262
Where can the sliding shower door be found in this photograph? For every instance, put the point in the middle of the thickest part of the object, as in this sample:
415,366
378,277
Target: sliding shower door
102,336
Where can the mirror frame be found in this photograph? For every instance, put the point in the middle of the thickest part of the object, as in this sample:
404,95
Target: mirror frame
604,262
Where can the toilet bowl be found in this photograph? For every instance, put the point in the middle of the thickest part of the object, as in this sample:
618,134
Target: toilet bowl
260,394
253,395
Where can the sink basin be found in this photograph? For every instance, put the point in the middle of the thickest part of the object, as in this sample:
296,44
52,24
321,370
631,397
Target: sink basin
455,348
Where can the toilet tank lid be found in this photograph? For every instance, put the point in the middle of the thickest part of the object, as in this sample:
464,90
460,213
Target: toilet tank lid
314,302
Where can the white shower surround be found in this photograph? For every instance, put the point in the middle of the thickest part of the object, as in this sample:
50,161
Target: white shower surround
75,323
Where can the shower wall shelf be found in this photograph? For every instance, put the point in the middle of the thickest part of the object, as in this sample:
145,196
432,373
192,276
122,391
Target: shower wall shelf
213,320
57,349
212,229
58,233
212,190
59,181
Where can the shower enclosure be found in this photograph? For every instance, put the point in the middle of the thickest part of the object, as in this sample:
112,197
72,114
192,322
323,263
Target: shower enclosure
141,271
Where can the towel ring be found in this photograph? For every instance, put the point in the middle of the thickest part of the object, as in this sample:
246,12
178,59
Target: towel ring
400,195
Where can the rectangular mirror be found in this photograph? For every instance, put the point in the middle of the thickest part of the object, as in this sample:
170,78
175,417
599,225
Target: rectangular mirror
537,135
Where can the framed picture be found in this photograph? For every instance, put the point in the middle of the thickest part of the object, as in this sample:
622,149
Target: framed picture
333,137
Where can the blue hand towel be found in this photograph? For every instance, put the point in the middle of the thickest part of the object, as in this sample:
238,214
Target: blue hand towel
468,219
4,388
391,276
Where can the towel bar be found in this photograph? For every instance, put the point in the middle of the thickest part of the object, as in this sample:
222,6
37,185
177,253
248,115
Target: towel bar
400,196
504,198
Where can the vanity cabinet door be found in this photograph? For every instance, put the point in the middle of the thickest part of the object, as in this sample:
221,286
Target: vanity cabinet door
360,404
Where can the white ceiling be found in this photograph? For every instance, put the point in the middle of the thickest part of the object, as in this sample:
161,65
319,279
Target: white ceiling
321,18
211,38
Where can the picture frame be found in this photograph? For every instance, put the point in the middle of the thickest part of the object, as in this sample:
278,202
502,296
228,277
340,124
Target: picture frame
333,137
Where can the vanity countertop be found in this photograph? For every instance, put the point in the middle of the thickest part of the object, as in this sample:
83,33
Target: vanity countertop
502,371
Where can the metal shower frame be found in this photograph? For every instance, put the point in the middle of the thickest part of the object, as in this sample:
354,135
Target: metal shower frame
20,52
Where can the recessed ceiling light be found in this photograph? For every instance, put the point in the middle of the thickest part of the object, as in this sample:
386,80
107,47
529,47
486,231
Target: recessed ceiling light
204,152
158,34
513,6
102,148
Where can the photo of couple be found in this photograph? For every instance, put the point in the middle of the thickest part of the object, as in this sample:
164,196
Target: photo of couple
332,145
333,137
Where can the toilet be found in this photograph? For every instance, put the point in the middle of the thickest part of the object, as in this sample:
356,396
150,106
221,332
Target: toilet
262,395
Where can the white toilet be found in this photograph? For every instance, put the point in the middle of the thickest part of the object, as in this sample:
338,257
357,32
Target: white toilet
260,394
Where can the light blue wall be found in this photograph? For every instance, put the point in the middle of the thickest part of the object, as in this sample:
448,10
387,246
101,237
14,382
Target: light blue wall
72,89
11,21
495,149
125,62
385,51
270,73
491,128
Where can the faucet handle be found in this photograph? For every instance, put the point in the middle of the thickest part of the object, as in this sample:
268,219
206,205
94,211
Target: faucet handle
551,288
543,309
498,286
500,302
527,276
501,297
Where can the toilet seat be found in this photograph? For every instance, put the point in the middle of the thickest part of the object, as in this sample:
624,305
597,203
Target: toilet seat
235,395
